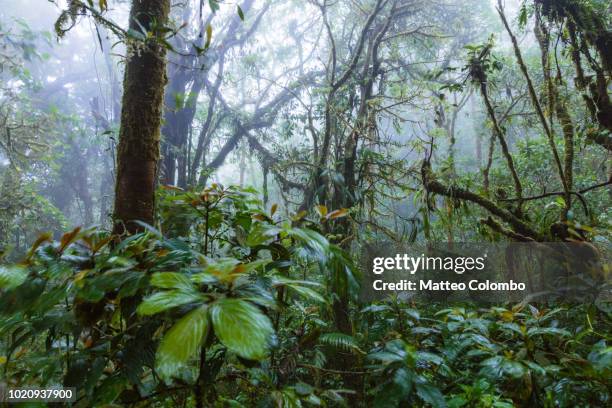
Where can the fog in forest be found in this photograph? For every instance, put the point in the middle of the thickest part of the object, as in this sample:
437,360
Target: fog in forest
192,194
250,109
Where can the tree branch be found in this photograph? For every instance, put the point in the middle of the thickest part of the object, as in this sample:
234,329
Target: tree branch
434,186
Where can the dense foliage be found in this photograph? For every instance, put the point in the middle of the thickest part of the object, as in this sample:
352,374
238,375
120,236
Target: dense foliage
229,305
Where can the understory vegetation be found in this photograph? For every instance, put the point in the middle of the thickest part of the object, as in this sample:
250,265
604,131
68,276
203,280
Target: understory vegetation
229,305
188,190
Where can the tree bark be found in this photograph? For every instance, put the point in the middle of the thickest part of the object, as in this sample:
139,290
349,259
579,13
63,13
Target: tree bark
141,112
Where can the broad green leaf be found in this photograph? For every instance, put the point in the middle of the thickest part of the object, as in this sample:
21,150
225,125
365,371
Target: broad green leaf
535,367
171,280
385,357
12,276
315,242
428,357
135,34
182,341
601,358
286,398
499,366
280,280
160,301
493,365
302,388
390,394
307,292
301,287
534,331
514,368
430,395
242,327
373,308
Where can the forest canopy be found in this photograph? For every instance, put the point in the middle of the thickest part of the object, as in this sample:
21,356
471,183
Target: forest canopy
190,192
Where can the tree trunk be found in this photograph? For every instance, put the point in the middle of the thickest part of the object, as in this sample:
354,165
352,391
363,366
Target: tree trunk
138,150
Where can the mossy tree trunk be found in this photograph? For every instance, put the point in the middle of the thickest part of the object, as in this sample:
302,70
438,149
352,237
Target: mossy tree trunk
141,112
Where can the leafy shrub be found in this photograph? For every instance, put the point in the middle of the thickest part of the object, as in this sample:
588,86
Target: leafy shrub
147,315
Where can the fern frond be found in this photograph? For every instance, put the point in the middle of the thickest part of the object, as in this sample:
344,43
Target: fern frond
341,341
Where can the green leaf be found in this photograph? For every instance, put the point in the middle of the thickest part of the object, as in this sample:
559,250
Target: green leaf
307,292
240,13
601,358
214,5
553,331
12,276
311,239
430,395
514,368
158,302
302,388
171,280
499,366
109,390
391,394
242,327
136,34
261,233
300,286
522,17
182,341
428,357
